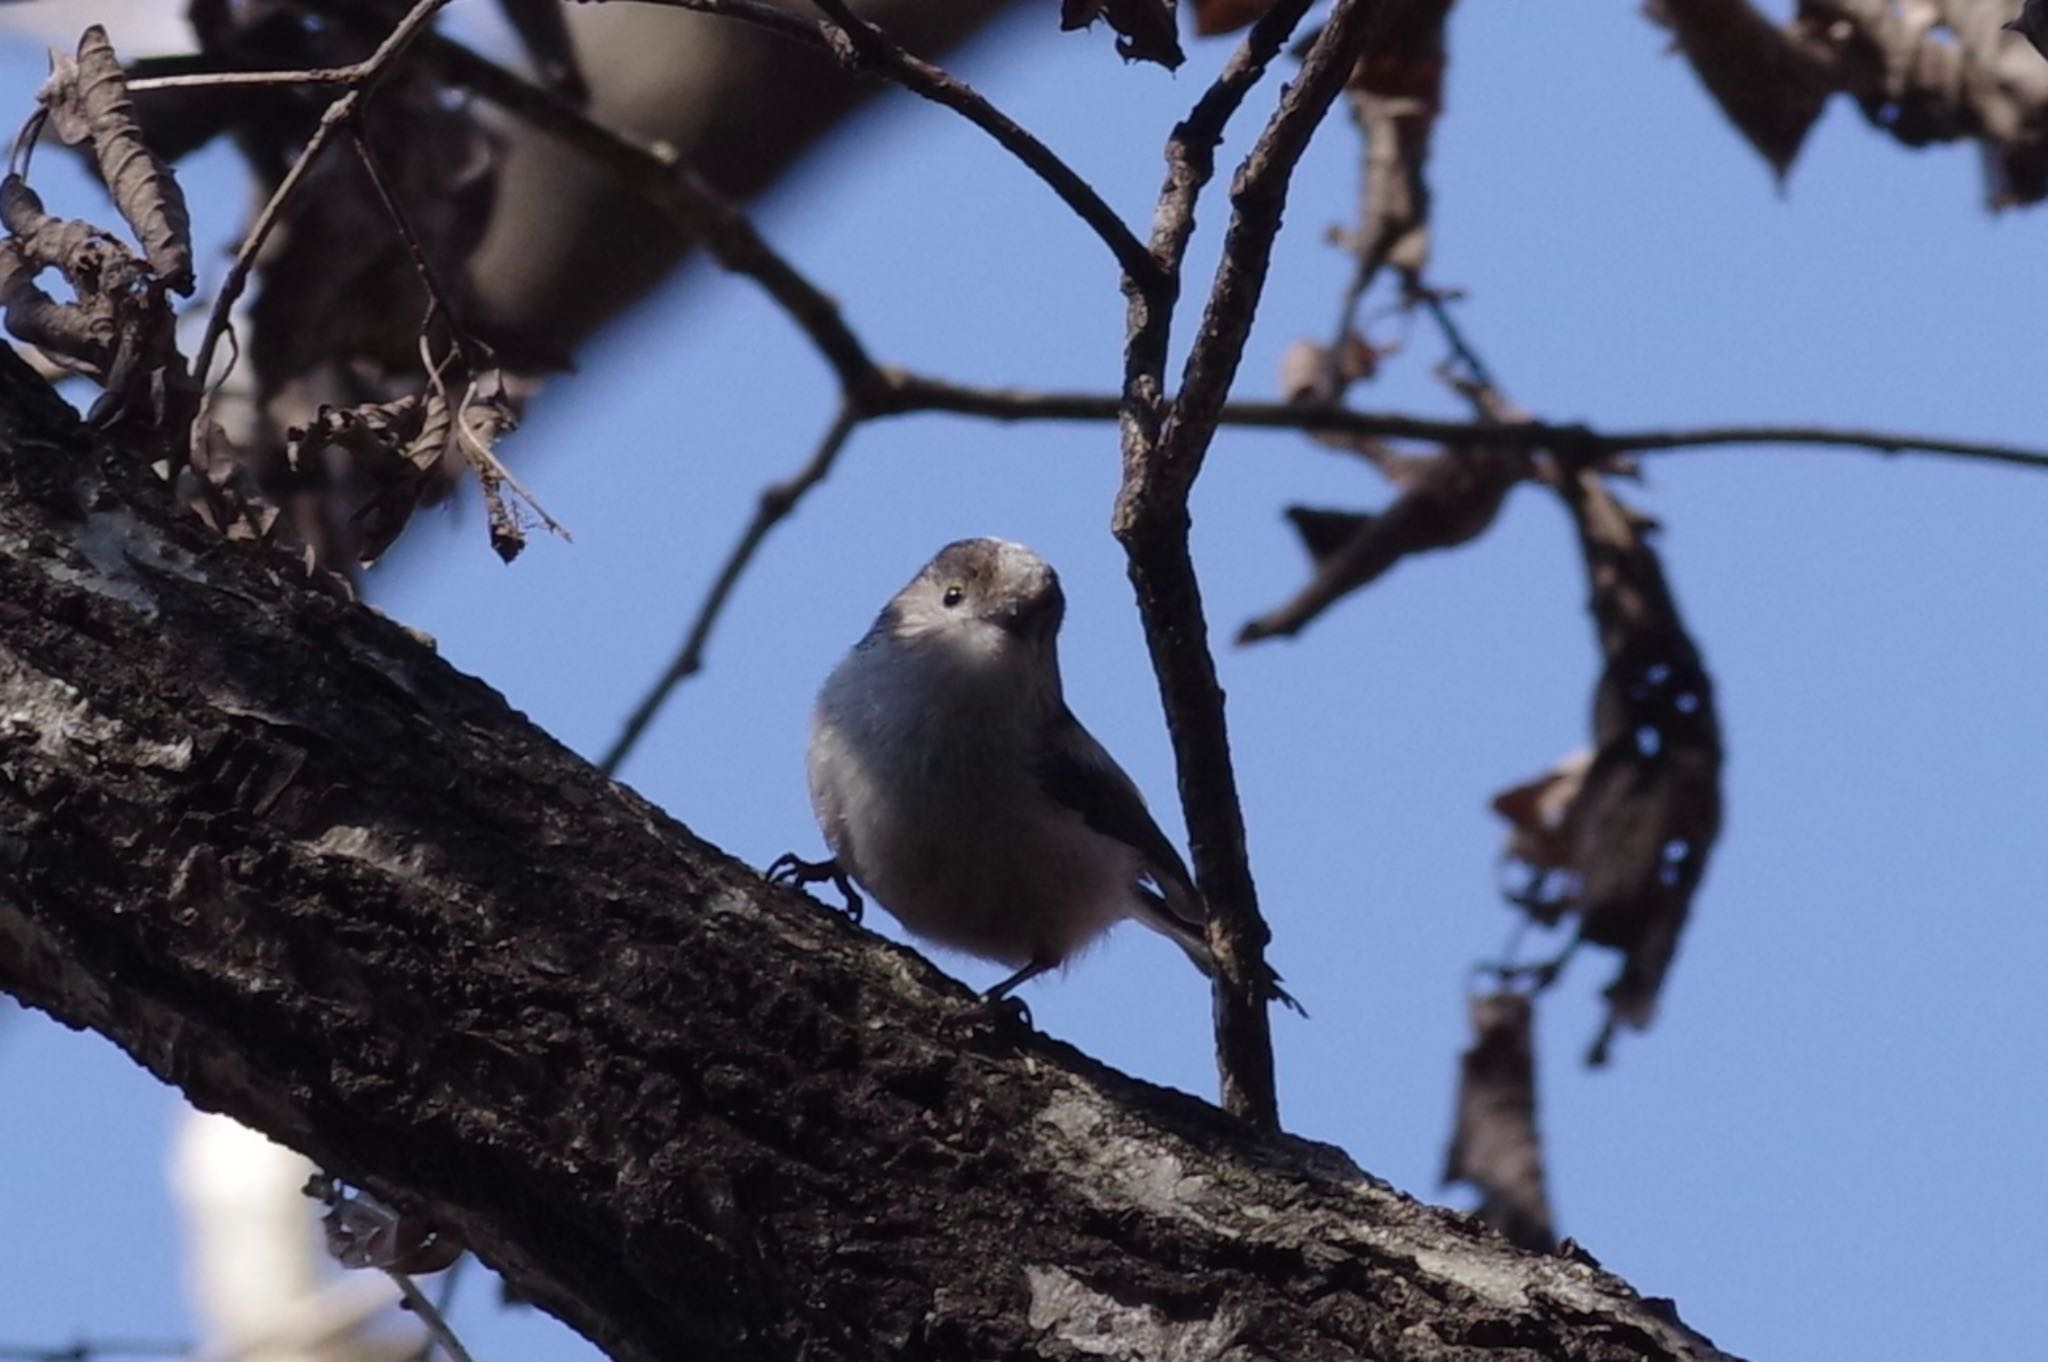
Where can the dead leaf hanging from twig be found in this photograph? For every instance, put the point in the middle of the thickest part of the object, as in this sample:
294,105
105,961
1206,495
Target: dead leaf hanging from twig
1941,71
1495,1145
117,330
1448,499
87,99
1629,850
1769,85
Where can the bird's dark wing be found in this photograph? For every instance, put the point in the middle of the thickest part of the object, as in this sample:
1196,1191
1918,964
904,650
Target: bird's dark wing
1075,771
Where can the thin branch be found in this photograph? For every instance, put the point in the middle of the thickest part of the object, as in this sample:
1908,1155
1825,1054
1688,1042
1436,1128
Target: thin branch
1162,452
919,393
431,1316
860,44
1190,164
247,80
774,18
1433,301
777,501
661,177
466,348
1257,199
489,469
362,80
871,45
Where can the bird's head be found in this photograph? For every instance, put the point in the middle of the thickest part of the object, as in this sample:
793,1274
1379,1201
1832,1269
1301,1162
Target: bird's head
985,602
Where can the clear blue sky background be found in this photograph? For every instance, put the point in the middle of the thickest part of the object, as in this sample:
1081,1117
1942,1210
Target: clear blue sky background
1835,1141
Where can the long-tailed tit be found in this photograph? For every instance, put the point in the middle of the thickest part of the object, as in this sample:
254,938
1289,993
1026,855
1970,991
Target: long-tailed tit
952,781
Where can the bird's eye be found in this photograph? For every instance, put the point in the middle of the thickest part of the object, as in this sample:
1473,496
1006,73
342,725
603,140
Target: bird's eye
954,595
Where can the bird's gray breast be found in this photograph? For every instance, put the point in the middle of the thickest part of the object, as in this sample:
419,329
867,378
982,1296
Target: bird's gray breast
929,794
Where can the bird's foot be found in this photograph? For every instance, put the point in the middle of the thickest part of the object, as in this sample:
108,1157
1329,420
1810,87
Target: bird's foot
998,1012
793,870
998,1007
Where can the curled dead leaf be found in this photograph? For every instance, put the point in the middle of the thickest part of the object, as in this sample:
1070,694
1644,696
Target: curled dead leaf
87,99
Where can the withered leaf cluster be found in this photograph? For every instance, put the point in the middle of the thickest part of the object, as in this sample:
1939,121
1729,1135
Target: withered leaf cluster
1494,1142
117,326
1620,841
1396,94
337,309
1443,500
1930,72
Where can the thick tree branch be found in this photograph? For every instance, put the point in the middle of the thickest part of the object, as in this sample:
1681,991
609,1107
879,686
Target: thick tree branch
296,865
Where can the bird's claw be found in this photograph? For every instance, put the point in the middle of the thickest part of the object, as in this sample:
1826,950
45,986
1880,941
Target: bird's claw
793,870
1003,1010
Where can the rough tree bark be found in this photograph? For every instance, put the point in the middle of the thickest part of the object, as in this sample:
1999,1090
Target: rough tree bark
295,864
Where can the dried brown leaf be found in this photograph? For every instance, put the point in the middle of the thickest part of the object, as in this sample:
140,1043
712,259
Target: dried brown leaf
1539,814
88,102
1396,93
1447,500
1770,86
1305,374
1937,71
1646,819
69,335
217,487
1145,28
481,421
430,447
1323,532
1495,1145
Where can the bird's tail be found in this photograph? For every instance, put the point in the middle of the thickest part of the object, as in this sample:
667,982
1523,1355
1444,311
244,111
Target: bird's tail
1189,937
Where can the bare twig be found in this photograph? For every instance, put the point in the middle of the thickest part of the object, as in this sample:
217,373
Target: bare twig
876,48
1434,301
861,44
1190,164
777,501
914,393
1163,446
467,351
361,80
246,80
431,1316
668,183
465,347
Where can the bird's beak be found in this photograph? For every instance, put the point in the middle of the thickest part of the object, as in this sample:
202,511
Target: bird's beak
1027,615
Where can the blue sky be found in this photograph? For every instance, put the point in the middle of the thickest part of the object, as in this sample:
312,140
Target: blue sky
1834,1142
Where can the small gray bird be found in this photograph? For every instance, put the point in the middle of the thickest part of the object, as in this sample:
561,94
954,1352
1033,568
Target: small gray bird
950,779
